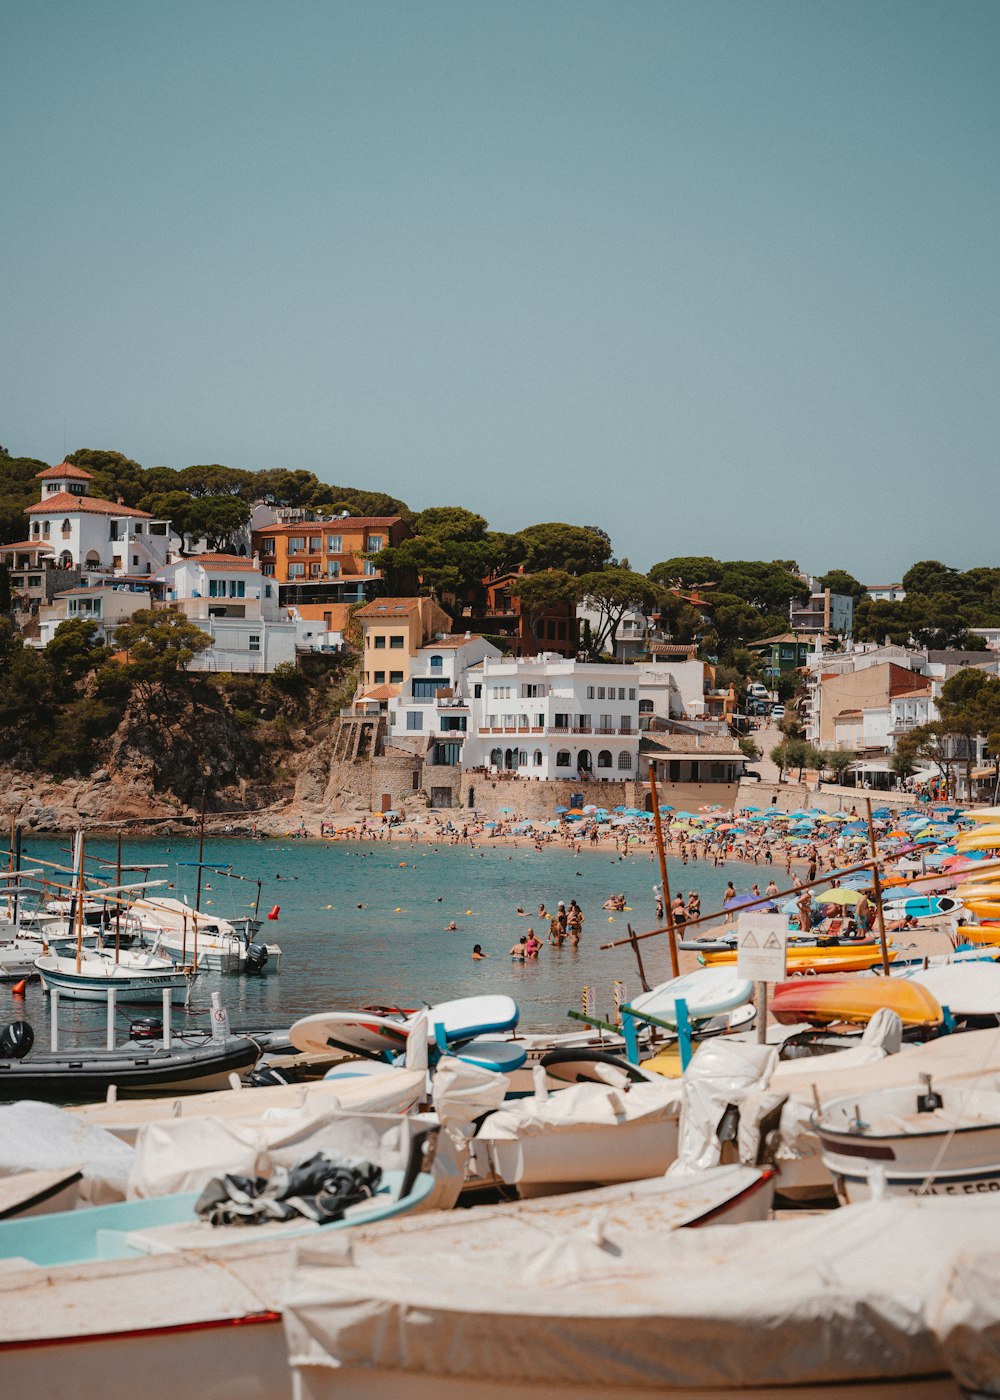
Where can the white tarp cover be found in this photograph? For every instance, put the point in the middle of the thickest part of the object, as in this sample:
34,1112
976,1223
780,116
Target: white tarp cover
722,1072
966,1319
541,1298
461,1092
184,1154
35,1136
582,1107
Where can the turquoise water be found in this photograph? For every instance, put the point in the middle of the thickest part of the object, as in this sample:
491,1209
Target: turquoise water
394,948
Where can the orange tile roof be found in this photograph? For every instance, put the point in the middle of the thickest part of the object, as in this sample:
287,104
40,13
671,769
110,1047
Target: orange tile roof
380,692
27,544
389,607
90,505
63,471
223,561
319,527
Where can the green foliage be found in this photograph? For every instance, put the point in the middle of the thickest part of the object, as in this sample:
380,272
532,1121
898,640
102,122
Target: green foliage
18,491
837,761
574,549
840,581
75,650
116,477
749,748
287,678
69,748
160,644
217,518
541,593
766,587
6,595
613,591
686,571
451,523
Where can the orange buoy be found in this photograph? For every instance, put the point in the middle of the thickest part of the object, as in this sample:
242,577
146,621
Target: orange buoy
274,912
19,988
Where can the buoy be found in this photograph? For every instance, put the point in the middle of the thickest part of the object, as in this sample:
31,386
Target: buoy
19,988
468,911
274,912
402,865
398,909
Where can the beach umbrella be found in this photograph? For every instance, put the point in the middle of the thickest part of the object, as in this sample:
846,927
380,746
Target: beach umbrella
841,896
758,901
562,809
666,807
507,811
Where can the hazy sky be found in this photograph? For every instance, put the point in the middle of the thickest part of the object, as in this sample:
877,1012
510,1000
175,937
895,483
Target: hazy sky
720,277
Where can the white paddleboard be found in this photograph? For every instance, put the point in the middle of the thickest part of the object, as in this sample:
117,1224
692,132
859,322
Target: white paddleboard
471,1016
966,988
708,992
500,1055
360,1031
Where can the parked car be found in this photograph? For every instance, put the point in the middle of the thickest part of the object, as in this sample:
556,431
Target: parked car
757,690
751,773
778,712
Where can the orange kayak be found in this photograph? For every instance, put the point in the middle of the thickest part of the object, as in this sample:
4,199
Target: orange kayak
823,1000
839,958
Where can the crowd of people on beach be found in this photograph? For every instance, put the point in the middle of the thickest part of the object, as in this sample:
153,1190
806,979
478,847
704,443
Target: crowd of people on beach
565,926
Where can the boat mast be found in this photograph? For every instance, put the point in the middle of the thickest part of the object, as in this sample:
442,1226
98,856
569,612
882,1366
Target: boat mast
79,907
118,905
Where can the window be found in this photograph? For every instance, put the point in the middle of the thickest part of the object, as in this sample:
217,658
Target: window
237,588
268,571
450,754
606,723
373,543
135,561
296,544
267,590
600,693
437,662
414,719
35,528
380,644
254,641
590,693
214,585
477,691
604,759
380,678
631,694
46,529
64,527
621,693
583,763
537,760
496,758
296,570
397,643
562,758
315,544
454,723
562,721
625,760
332,568
334,544
522,759
395,678
315,570
369,569
645,707
425,689
267,546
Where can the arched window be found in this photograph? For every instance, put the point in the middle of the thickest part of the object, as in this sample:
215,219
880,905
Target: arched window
583,763
645,707
496,758
65,526
562,758
604,759
538,758
624,760
437,663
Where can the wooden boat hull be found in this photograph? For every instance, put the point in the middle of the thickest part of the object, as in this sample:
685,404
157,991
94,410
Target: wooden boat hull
68,1076
133,984
820,1001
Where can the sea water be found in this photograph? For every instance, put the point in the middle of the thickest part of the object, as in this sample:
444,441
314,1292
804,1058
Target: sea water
367,922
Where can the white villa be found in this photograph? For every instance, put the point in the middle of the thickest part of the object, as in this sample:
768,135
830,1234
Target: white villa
92,535
228,597
546,717
108,605
431,714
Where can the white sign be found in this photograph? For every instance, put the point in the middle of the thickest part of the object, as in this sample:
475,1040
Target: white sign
761,946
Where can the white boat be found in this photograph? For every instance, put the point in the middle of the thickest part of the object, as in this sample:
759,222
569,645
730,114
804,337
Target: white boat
169,926
136,977
596,1297
912,1141
708,991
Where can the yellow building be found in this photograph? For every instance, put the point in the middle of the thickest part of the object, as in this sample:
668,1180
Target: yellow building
393,631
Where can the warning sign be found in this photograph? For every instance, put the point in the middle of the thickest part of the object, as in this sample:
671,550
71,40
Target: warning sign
761,946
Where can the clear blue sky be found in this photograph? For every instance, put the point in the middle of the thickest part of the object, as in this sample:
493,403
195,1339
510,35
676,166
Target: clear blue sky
718,275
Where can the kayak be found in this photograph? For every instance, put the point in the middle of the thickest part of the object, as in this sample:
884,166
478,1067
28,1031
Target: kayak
840,958
707,992
985,934
823,1000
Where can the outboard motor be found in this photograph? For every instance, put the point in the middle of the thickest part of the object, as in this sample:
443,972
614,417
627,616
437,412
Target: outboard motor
148,1028
266,1075
16,1040
256,958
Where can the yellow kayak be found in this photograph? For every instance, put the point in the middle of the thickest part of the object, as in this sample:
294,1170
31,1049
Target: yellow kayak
985,908
839,958
985,934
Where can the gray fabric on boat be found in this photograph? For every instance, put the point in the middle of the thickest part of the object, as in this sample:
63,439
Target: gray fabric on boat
318,1189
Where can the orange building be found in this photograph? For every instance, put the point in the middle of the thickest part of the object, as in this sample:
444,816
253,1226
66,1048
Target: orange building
319,563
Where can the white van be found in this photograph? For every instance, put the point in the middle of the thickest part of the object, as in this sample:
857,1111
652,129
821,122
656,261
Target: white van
757,691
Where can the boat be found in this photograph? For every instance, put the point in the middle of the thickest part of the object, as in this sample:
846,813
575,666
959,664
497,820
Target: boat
596,1297
586,1134
98,1297
820,1001
707,992
915,1140
222,945
969,989
40,1192
383,1033
836,958
135,977
189,1063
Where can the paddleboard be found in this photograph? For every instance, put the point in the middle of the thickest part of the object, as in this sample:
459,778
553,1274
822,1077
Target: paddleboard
841,957
916,906
471,1016
708,992
499,1055
361,1032
820,1001
966,988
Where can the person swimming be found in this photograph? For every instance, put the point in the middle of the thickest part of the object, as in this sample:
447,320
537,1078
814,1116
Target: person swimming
478,954
520,949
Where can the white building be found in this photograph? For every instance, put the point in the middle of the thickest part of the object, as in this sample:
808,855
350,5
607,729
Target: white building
674,688
96,536
228,597
430,716
107,605
546,717
885,592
